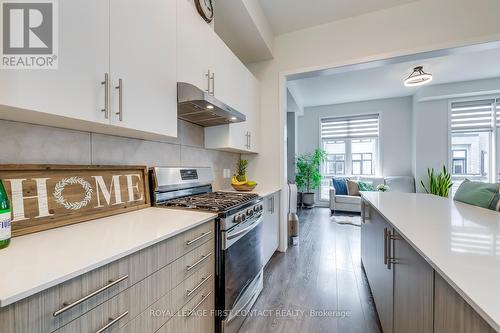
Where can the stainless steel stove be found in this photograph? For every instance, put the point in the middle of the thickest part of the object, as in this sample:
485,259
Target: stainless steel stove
238,237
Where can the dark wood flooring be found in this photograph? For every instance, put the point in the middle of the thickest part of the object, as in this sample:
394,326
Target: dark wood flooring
324,274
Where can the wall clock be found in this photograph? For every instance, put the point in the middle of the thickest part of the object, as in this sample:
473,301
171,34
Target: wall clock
206,9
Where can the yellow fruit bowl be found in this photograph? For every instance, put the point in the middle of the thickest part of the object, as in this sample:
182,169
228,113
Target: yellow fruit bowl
244,187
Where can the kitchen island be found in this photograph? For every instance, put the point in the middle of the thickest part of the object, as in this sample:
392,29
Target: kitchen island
432,263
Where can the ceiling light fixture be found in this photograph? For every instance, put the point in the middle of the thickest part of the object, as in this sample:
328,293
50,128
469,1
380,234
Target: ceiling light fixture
234,118
210,107
418,77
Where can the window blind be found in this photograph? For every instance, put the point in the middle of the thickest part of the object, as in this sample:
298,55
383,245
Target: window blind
497,112
350,127
474,115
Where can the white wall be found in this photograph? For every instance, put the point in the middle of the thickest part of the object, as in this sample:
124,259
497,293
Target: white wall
395,130
378,35
431,137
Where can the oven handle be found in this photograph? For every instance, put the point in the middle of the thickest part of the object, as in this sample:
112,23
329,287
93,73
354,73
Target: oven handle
245,230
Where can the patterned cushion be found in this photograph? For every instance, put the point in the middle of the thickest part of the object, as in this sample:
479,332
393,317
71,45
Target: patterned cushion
479,194
352,188
365,186
340,185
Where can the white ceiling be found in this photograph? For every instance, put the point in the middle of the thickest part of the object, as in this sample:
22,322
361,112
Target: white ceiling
290,15
387,81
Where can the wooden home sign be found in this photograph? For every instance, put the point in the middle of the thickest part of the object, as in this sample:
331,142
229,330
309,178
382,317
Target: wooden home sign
48,196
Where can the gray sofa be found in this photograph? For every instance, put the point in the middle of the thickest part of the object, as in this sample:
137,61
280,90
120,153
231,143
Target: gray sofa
348,203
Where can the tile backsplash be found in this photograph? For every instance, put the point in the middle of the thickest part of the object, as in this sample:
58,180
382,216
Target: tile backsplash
27,143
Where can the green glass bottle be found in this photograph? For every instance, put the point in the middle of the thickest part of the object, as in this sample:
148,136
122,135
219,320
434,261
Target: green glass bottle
5,218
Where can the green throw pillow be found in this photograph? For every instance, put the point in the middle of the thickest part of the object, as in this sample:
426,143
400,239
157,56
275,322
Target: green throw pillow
479,194
364,186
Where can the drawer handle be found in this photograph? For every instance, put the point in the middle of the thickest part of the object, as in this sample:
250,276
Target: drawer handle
198,305
203,258
192,291
203,235
112,322
68,306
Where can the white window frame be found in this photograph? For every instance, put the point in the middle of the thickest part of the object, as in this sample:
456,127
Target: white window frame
377,160
495,132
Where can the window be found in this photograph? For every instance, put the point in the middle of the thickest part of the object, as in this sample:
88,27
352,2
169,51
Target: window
459,161
351,144
472,133
362,156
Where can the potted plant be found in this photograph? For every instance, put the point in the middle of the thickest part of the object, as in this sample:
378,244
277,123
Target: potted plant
439,183
308,177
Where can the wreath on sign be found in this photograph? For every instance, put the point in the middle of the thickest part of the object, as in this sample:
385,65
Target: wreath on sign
58,189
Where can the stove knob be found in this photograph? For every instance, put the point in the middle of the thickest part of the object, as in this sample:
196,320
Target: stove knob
237,219
261,208
256,209
249,212
243,217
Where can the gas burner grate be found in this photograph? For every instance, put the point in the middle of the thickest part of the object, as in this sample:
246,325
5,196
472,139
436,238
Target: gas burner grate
213,201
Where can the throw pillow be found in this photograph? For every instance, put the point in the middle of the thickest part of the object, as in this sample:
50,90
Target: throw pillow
340,185
364,186
478,194
352,188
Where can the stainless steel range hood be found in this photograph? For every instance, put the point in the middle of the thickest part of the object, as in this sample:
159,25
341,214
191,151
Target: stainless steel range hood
199,107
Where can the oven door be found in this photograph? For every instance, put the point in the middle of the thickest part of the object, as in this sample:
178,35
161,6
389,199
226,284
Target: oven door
243,259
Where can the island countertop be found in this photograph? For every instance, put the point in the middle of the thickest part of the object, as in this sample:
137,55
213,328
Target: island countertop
461,242
38,261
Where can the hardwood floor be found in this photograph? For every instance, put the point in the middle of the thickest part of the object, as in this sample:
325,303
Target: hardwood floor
322,273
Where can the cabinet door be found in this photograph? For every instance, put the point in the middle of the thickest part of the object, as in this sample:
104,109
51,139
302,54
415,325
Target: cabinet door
194,37
143,41
271,225
413,290
230,76
380,277
254,113
452,314
73,90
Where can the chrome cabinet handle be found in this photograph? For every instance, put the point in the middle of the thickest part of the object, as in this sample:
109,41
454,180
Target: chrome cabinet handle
213,84
68,306
203,258
390,238
198,286
190,312
385,246
105,83
210,78
112,321
203,235
120,99
249,140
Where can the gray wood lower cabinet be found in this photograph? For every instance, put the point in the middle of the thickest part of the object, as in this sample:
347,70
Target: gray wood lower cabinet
413,290
372,255
452,314
410,296
152,285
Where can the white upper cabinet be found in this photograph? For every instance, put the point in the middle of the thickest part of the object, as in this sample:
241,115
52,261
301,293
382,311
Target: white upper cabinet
194,39
205,61
143,65
125,39
239,137
74,89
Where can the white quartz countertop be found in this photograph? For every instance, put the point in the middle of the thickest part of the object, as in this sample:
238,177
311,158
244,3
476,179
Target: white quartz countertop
461,242
38,261
261,191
